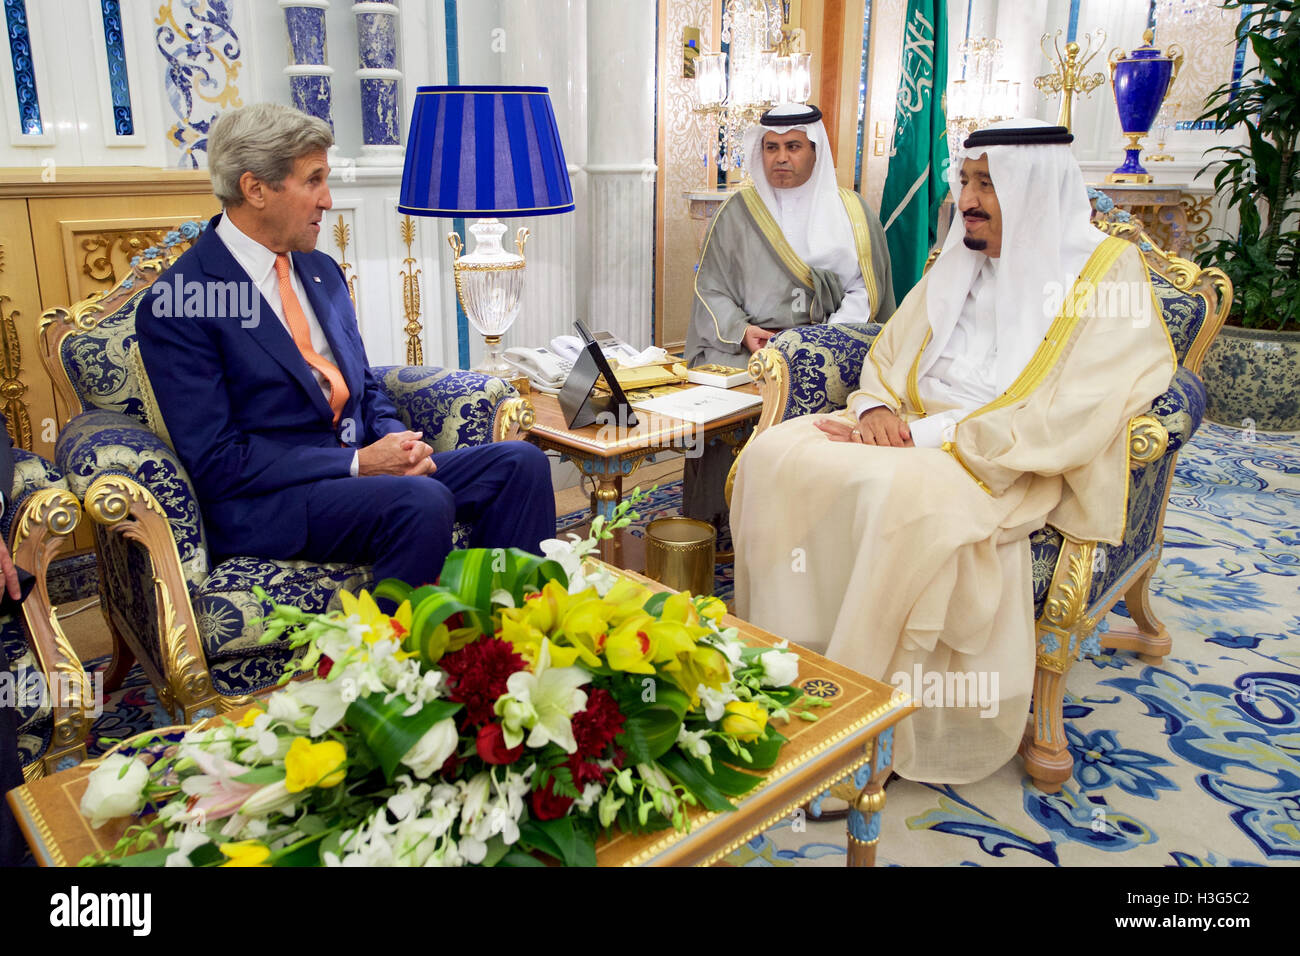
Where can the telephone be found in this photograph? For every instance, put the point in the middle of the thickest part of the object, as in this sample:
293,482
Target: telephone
624,355
545,369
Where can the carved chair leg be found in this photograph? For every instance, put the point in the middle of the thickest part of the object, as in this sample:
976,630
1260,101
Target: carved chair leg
1044,748
866,810
1147,636
1063,625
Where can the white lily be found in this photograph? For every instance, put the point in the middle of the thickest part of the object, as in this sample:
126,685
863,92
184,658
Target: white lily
432,750
543,702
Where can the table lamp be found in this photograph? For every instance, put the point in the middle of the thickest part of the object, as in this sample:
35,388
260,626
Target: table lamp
485,151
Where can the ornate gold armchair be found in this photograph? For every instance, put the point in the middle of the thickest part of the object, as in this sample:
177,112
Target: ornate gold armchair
195,627
813,369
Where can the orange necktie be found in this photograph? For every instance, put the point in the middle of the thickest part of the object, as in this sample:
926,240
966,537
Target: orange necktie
297,320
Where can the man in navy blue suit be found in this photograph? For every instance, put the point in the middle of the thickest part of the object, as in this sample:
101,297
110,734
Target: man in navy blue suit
251,345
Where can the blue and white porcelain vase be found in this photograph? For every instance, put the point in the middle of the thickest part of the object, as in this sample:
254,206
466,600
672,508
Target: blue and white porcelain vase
1141,81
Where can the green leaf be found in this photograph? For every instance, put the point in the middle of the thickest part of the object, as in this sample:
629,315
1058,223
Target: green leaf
728,779
434,609
155,857
393,589
261,775
692,777
650,729
560,839
389,735
496,850
764,751
655,604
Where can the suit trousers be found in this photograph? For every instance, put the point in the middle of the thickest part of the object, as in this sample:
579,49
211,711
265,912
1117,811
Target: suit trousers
402,525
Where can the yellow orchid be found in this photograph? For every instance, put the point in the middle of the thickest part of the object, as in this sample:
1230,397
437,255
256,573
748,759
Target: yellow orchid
627,597
382,626
711,609
586,625
314,765
631,646
249,717
745,720
527,640
245,853
703,664
680,609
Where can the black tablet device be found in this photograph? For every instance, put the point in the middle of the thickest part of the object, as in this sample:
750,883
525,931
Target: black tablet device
579,407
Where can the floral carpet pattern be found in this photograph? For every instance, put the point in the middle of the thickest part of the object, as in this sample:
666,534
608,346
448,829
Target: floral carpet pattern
1195,762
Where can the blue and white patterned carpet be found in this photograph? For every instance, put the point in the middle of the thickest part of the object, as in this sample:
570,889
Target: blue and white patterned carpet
1193,763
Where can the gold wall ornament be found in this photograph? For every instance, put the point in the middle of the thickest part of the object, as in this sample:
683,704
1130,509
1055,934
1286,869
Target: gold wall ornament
411,297
1147,439
12,387
1199,216
342,236
1069,75
97,251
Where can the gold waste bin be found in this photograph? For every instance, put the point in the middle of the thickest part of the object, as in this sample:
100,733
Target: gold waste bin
679,552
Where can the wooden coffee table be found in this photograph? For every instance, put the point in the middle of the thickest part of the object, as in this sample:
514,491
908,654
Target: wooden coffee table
609,454
851,743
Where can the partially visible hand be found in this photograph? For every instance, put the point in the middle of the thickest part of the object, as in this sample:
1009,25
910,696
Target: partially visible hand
401,453
756,338
10,573
880,426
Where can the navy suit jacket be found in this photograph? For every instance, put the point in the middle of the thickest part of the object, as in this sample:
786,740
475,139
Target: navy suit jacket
245,414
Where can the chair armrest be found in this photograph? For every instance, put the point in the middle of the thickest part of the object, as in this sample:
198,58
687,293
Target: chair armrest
454,408
824,365
98,443
1181,409
43,520
32,473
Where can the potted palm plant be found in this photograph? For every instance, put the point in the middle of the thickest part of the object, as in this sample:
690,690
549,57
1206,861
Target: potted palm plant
1252,372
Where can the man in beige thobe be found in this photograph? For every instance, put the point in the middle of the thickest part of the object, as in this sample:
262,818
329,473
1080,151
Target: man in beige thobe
894,537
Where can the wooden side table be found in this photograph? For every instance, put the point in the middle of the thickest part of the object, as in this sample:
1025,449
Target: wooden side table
609,453
1175,216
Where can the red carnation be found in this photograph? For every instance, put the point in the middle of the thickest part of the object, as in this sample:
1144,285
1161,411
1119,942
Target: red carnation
585,773
547,806
477,675
491,745
597,726
324,667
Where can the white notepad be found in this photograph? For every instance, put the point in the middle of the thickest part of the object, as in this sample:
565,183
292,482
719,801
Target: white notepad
701,404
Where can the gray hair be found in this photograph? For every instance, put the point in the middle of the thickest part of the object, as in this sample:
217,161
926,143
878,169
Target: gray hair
263,139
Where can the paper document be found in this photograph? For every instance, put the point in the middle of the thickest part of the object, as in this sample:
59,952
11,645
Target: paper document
700,404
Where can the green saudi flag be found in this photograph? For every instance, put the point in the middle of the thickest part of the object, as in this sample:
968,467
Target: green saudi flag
916,184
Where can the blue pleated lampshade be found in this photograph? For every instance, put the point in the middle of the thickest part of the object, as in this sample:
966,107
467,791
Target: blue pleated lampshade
484,151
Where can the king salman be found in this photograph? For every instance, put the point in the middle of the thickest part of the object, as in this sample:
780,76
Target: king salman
789,249
894,536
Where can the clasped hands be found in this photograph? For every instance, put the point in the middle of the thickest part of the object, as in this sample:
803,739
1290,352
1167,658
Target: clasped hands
398,453
877,426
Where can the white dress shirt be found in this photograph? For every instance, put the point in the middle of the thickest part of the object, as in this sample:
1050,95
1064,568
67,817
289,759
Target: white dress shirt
964,373
259,262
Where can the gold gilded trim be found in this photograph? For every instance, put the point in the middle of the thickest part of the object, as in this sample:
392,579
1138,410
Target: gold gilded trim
900,703
514,412
342,236
1065,611
125,507
410,277
32,814
862,243
1147,439
769,370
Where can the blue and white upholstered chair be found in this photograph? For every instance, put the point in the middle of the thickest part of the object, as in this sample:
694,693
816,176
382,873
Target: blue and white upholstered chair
813,369
194,627
45,682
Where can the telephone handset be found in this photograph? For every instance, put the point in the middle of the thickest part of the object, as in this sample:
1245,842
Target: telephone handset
544,368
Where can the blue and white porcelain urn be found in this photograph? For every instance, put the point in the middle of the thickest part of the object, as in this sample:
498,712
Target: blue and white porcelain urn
1141,80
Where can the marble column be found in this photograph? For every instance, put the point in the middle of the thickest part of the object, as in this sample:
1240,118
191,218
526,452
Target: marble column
309,73
620,166
381,114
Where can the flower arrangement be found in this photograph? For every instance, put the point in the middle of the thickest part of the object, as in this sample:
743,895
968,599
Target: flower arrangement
521,706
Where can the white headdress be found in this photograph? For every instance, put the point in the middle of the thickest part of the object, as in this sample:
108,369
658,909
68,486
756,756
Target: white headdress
1046,239
812,216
